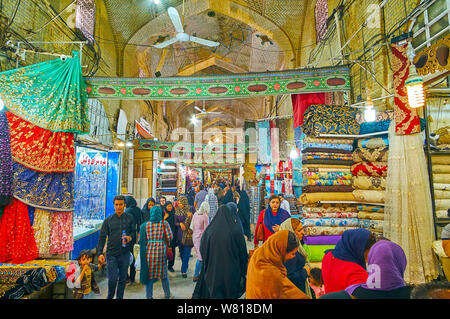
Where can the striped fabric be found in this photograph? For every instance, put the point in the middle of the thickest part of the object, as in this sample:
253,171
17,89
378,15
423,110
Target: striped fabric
156,248
213,205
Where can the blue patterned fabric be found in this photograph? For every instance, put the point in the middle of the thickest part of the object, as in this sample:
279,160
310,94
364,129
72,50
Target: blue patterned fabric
344,147
333,222
374,127
264,147
330,119
298,136
48,191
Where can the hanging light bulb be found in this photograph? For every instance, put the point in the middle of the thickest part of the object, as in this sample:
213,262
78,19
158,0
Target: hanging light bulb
2,104
369,114
293,154
156,1
193,120
414,83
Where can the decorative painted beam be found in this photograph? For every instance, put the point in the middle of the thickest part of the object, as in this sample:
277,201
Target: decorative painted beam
161,146
215,87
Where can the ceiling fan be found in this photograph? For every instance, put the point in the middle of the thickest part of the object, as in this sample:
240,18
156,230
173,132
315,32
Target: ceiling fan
204,112
181,35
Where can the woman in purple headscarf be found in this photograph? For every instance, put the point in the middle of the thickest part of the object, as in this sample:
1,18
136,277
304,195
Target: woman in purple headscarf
386,264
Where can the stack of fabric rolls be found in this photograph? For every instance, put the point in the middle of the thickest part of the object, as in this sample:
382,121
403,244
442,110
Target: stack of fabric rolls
326,177
441,183
369,175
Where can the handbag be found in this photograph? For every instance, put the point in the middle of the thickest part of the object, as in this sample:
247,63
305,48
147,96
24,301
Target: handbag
186,240
260,230
169,253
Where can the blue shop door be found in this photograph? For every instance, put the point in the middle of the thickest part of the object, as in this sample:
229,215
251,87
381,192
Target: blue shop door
113,180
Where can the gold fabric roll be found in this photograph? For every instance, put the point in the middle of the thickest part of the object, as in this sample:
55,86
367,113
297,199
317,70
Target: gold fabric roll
309,198
442,187
441,214
369,183
330,168
440,159
441,194
309,139
442,204
326,230
367,215
369,196
441,178
441,169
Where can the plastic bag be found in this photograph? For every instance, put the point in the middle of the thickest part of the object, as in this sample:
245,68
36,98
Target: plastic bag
137,264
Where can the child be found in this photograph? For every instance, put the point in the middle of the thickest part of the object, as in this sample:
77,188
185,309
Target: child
316,281
86,281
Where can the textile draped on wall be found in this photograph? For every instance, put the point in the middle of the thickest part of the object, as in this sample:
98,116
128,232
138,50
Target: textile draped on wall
39,149
282,126
42,229
408,206
61,238
6,165
49,191
51,95
407,120
264,148
275,142
16,235
300,102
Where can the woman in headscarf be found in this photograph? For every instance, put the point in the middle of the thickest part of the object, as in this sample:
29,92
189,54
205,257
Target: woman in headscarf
386,264
234,210
146,210
269,220
266,274
153,237
345,265
211,198
228,198
225,258
295,267
244,213
183,217
200,221
133,210
169,216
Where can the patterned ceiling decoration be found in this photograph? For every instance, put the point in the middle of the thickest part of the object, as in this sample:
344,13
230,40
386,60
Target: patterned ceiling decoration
434,58
222,86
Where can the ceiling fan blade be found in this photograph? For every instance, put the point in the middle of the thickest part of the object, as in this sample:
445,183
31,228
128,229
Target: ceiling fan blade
175,17
165,43
198,109
203,41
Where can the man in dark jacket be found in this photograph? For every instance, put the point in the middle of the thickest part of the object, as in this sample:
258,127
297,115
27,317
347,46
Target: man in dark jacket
120,230
136,212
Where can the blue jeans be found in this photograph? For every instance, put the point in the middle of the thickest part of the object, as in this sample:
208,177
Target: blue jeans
117,272
165,284
185,253
198,268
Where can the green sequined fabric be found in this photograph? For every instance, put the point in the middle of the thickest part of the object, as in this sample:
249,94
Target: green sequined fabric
51,95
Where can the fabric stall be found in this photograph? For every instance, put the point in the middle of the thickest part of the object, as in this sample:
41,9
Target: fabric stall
37,222
327,192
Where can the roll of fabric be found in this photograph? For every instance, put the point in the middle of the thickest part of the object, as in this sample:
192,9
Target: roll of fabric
316,252
325,231
371,224
370,208
369,183
327,156
329,162
442,187
374,127
326,182
325,168
344,147
442,204
375,142
6,163
367,215
330,119
331,222
442,194
328,208
440,159
49,191
441,178
380,154
377,169
327,189
327,176
322,240
441,214
441,169
325,150
310,139
369,196
40,149
329,215
317,197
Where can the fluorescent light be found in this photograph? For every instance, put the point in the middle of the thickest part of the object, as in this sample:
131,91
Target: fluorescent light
129,144
416,94
369,115
121,144
156,1
193,120
293,154
2,104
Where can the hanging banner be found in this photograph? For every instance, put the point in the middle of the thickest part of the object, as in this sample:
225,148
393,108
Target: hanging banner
160,146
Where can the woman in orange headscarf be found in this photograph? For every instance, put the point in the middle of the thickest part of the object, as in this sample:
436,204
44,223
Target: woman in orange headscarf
266,274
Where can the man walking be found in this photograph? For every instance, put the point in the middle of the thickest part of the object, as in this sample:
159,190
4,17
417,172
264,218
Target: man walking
119,230
200,197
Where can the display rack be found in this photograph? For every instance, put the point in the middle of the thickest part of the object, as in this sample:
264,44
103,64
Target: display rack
167,178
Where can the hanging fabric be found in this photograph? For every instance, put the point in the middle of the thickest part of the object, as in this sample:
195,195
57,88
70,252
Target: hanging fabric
40,149
264,148
61,238
42,231
6,164
274,142
407,120
300,102
51,94
408,212
49,191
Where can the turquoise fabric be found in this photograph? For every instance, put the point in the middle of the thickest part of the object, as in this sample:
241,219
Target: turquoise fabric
143,278
51,95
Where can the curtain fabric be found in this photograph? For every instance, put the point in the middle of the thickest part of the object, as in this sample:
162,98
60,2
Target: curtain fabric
51,94
264,149
408,212
300,102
